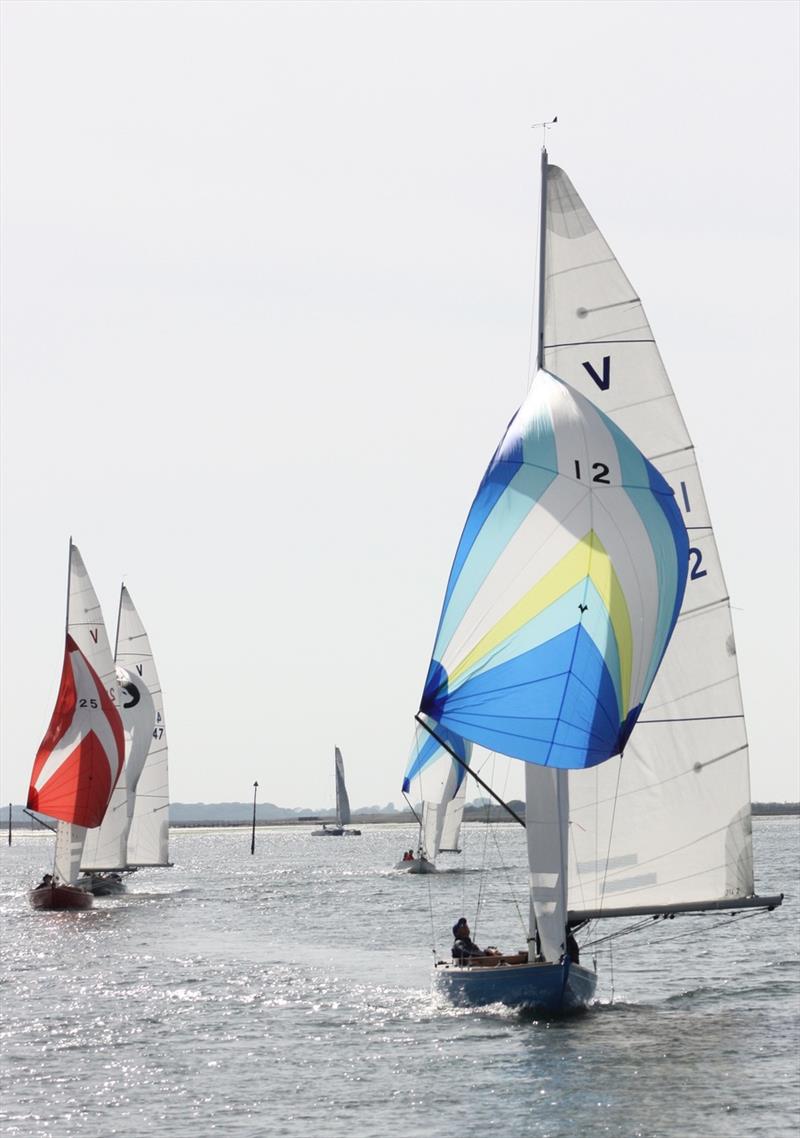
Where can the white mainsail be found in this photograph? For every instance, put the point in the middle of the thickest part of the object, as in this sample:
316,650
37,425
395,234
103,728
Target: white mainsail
342,801
86,627
547,831
106,847
148,838
669,821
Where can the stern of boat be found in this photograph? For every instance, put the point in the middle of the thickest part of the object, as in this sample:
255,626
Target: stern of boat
551,988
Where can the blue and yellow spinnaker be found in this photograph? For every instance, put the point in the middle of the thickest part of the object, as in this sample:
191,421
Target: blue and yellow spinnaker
564,592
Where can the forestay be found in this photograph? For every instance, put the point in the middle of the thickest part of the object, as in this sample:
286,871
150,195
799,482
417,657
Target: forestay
670,821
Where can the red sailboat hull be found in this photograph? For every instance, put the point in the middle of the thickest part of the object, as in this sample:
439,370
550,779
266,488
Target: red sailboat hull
60,897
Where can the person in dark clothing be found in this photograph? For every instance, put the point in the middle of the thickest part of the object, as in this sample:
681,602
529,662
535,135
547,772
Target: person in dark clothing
465,950
463,946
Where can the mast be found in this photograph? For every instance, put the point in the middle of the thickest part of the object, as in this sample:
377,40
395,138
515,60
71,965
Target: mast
119,616
69,585
540,282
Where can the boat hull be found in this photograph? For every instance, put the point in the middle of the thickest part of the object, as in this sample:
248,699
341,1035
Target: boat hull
551,988
52,897
417,865
335,832
103,884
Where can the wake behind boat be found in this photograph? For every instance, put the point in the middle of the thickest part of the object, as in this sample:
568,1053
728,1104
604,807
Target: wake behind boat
586,634
338,829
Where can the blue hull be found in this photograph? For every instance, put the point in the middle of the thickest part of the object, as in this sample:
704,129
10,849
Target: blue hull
550,988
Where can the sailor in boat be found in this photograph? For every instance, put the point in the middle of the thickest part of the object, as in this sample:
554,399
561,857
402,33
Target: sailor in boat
46,882
465,951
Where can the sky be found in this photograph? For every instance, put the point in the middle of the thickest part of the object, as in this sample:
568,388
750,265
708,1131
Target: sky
267,279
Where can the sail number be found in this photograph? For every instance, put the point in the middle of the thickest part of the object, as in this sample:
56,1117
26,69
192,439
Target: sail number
88,703
603,381
601,472
695,561
158,732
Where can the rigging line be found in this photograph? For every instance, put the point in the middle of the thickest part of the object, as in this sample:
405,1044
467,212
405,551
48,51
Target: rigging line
611,829
413,811
626,931
715,927
577,863
509,883
652,922
483,869
430,913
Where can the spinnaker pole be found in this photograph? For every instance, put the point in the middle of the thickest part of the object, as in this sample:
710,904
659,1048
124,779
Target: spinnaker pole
470,771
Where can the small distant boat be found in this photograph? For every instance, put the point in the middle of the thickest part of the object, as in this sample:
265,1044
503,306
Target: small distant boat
135,830
443,784
338,829
80,758
419,863
102,884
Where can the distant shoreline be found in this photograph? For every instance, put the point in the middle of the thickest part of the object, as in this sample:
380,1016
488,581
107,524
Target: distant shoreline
21,821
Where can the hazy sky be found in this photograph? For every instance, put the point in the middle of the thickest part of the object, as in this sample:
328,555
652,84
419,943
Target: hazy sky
267,283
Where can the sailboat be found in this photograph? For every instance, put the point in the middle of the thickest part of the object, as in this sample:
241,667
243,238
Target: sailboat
80,758
135,830
586,631
342,805
443,784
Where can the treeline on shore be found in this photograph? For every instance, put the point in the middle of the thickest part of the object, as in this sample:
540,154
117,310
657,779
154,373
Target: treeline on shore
241,814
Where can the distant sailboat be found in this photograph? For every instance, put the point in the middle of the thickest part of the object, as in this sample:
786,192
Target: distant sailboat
81,756
135,829
443,786
567,587
342,805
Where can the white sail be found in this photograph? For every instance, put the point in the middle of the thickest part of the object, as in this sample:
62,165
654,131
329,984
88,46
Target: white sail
86,627
342,801
670,820
148,839
442,786
106,847
443,810
547,829
450,837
